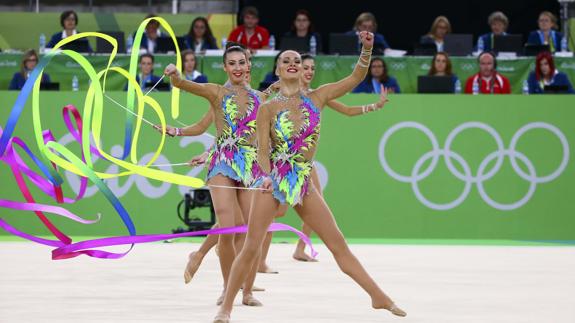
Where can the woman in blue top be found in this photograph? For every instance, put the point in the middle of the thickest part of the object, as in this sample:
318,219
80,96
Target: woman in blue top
546,74
441,66
498,22
189,71
377,77
68,21
29,61
367,22
200,37
546,35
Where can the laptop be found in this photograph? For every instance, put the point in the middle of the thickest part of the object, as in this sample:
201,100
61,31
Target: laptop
50,86
435,84
534,50
161,87
79,45
508,44
103,46
299,44
424,49
458,44
555,89
343,44
166,44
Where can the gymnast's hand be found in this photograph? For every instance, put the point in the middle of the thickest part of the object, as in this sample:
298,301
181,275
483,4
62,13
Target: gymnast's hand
199,160
171,70
267,185
366,39
170,131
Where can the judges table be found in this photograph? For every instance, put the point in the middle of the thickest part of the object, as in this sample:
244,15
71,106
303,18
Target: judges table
328,69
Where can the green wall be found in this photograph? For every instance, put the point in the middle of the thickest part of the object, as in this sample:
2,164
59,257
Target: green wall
366,200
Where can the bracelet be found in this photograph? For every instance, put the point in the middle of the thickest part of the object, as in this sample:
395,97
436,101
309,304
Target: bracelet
178,132
362,64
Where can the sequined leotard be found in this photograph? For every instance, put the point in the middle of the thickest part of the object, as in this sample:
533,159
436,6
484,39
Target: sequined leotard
293,126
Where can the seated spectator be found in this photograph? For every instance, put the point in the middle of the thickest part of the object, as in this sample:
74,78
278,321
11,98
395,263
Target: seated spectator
498,23
366,21
68,21
146,77
439,29
270,77
488,80
546,74
189,67
377,77
250,34
302,27
151,34
29,61
200,36
441,66
546,35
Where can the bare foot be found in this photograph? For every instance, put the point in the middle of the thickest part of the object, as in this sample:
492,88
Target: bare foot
265,269
255,289
222,318
250,300
300,255
390,306
194,262
221,298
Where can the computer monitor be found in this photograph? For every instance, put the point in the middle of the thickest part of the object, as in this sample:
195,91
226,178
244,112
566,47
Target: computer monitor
299,44
50,86
458,44
533,50
427,49
166,44
556,89
343,44
103,46
508,44
79,45
161,87
435,84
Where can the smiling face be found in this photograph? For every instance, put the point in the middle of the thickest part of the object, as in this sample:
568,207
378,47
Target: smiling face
236,66
289,65
308,66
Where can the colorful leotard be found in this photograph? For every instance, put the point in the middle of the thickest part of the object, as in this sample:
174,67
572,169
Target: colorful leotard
294,134
234,153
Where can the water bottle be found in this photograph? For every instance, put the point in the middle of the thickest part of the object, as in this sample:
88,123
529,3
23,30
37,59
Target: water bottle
476,87
129,43
75,85
42,43
525,87
564,44
272,42
312,45
224,42
457,87
480,45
